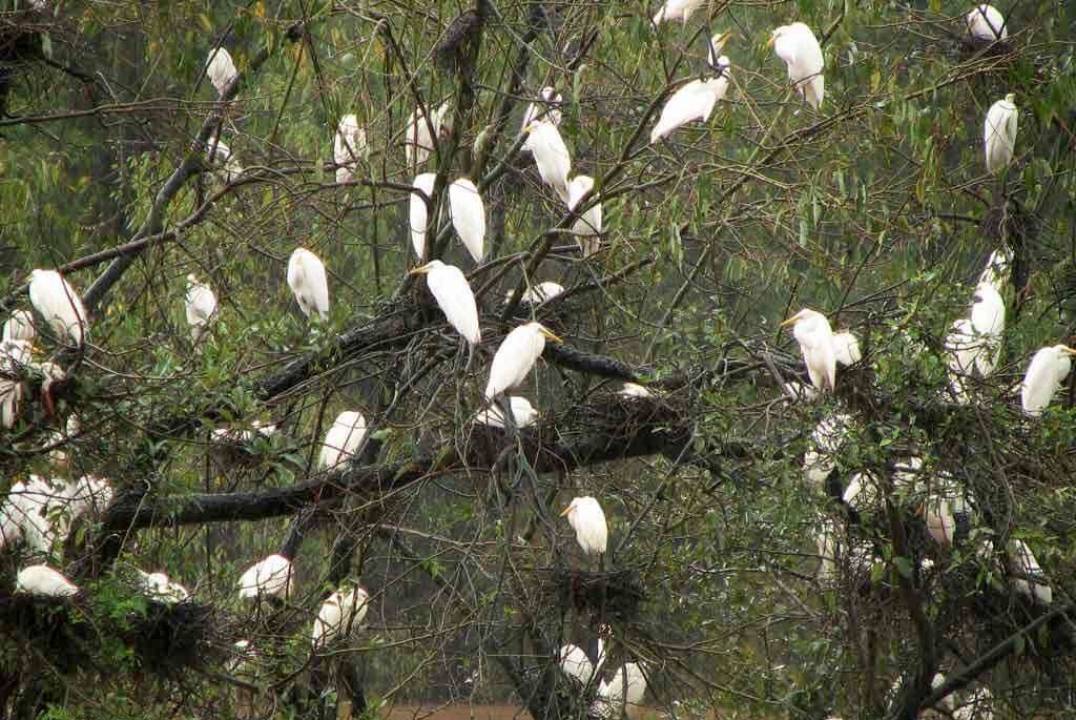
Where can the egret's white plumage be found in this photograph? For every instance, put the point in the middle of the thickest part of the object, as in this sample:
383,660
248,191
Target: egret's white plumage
349,146
815,337
588,227
798,391
340,615
419,142
1028,578
523,414
201,304
633,390
454,296
826,440
15,355
537,294
1048,368
587,519
268,577
846,348
44,581
59,305
468,216
575,664
677,10
979,705
938,516
623,694
548,110
999,134
515,357
220,69
985,22
20,326
89,494
797,46
307,280
695,100
714,48
343,439
419,212
987,323
551,156
862,493
218,153
158,586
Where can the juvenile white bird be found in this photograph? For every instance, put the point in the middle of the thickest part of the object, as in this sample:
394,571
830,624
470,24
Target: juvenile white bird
846,348
454,296
694,101
633,390
988,324
268,577
551,156
200,305
217,152
797,46
340,615
419,142
523,414
537,294
20,326
985,22
815,337
623,694
588,227
999,134
14,357
468,216
220,69
515,357
587,519
343,439
1028,578
307,280
680,10
1047,370
419,212
44,581
548,110
158,586
59,305
349,146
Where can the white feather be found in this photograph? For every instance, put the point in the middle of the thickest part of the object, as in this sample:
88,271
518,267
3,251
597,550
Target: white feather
200,304
999,134
588,227
340,615
268,577
59,305
44,581
468,216
343,439
797,46
349,146
419,211
454,296
220,69
587,519
694,101
515,357
307,280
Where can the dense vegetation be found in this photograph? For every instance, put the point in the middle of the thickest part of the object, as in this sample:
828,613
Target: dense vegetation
876,209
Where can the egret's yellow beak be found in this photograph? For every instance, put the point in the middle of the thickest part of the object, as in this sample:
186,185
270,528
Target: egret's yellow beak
769,43
723,37
421,270
549,335
565,511
1070,351
791,321
530,127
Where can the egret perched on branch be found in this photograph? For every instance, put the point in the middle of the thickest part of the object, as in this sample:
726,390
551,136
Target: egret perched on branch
996,271
201,305
799,48
999,134
623,694
537,294
20,326
985,22
588,227
551,156
419,142
220,69
677,10
454,296
468,216
158,586
1048,369
694,101
307,280
987,323
343,439
515,357
846,348
270,577
340,615
14,356
587,519
59,305
548,110
813,333
419,212
44,581
713,49
633,390
349,146
1028,577
826,440
574,663
218,153
523,414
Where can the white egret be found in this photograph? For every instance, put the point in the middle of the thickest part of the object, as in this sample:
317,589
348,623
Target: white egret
523,414
999,134
714,48
454,296
340,615
20,326
349,146
419,212
30,505
44,581
307,280
985,22
826,440
548,110
587,519
633,390
677,10
59,305
201,305
979,705
268,577
962,348
623,694
515,357
343,439
419,142
1048,368
551,156
574,663
988,323
218,153
158,586
938,516
846,348
798,391
233,435
88,494
815,337
693,101
1028,577
14,356
537,294
996,270
588,227
862,493
220,69
797,46
468,216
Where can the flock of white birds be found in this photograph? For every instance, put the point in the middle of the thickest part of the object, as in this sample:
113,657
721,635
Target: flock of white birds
40,512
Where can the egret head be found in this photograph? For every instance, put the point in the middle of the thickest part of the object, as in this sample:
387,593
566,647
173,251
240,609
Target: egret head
532,126
717,42
431,265
549,94
549,335
723,63
1010,98
803,315
192,278
572,508
776,34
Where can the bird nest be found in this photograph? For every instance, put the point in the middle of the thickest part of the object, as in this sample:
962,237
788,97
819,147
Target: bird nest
614,595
